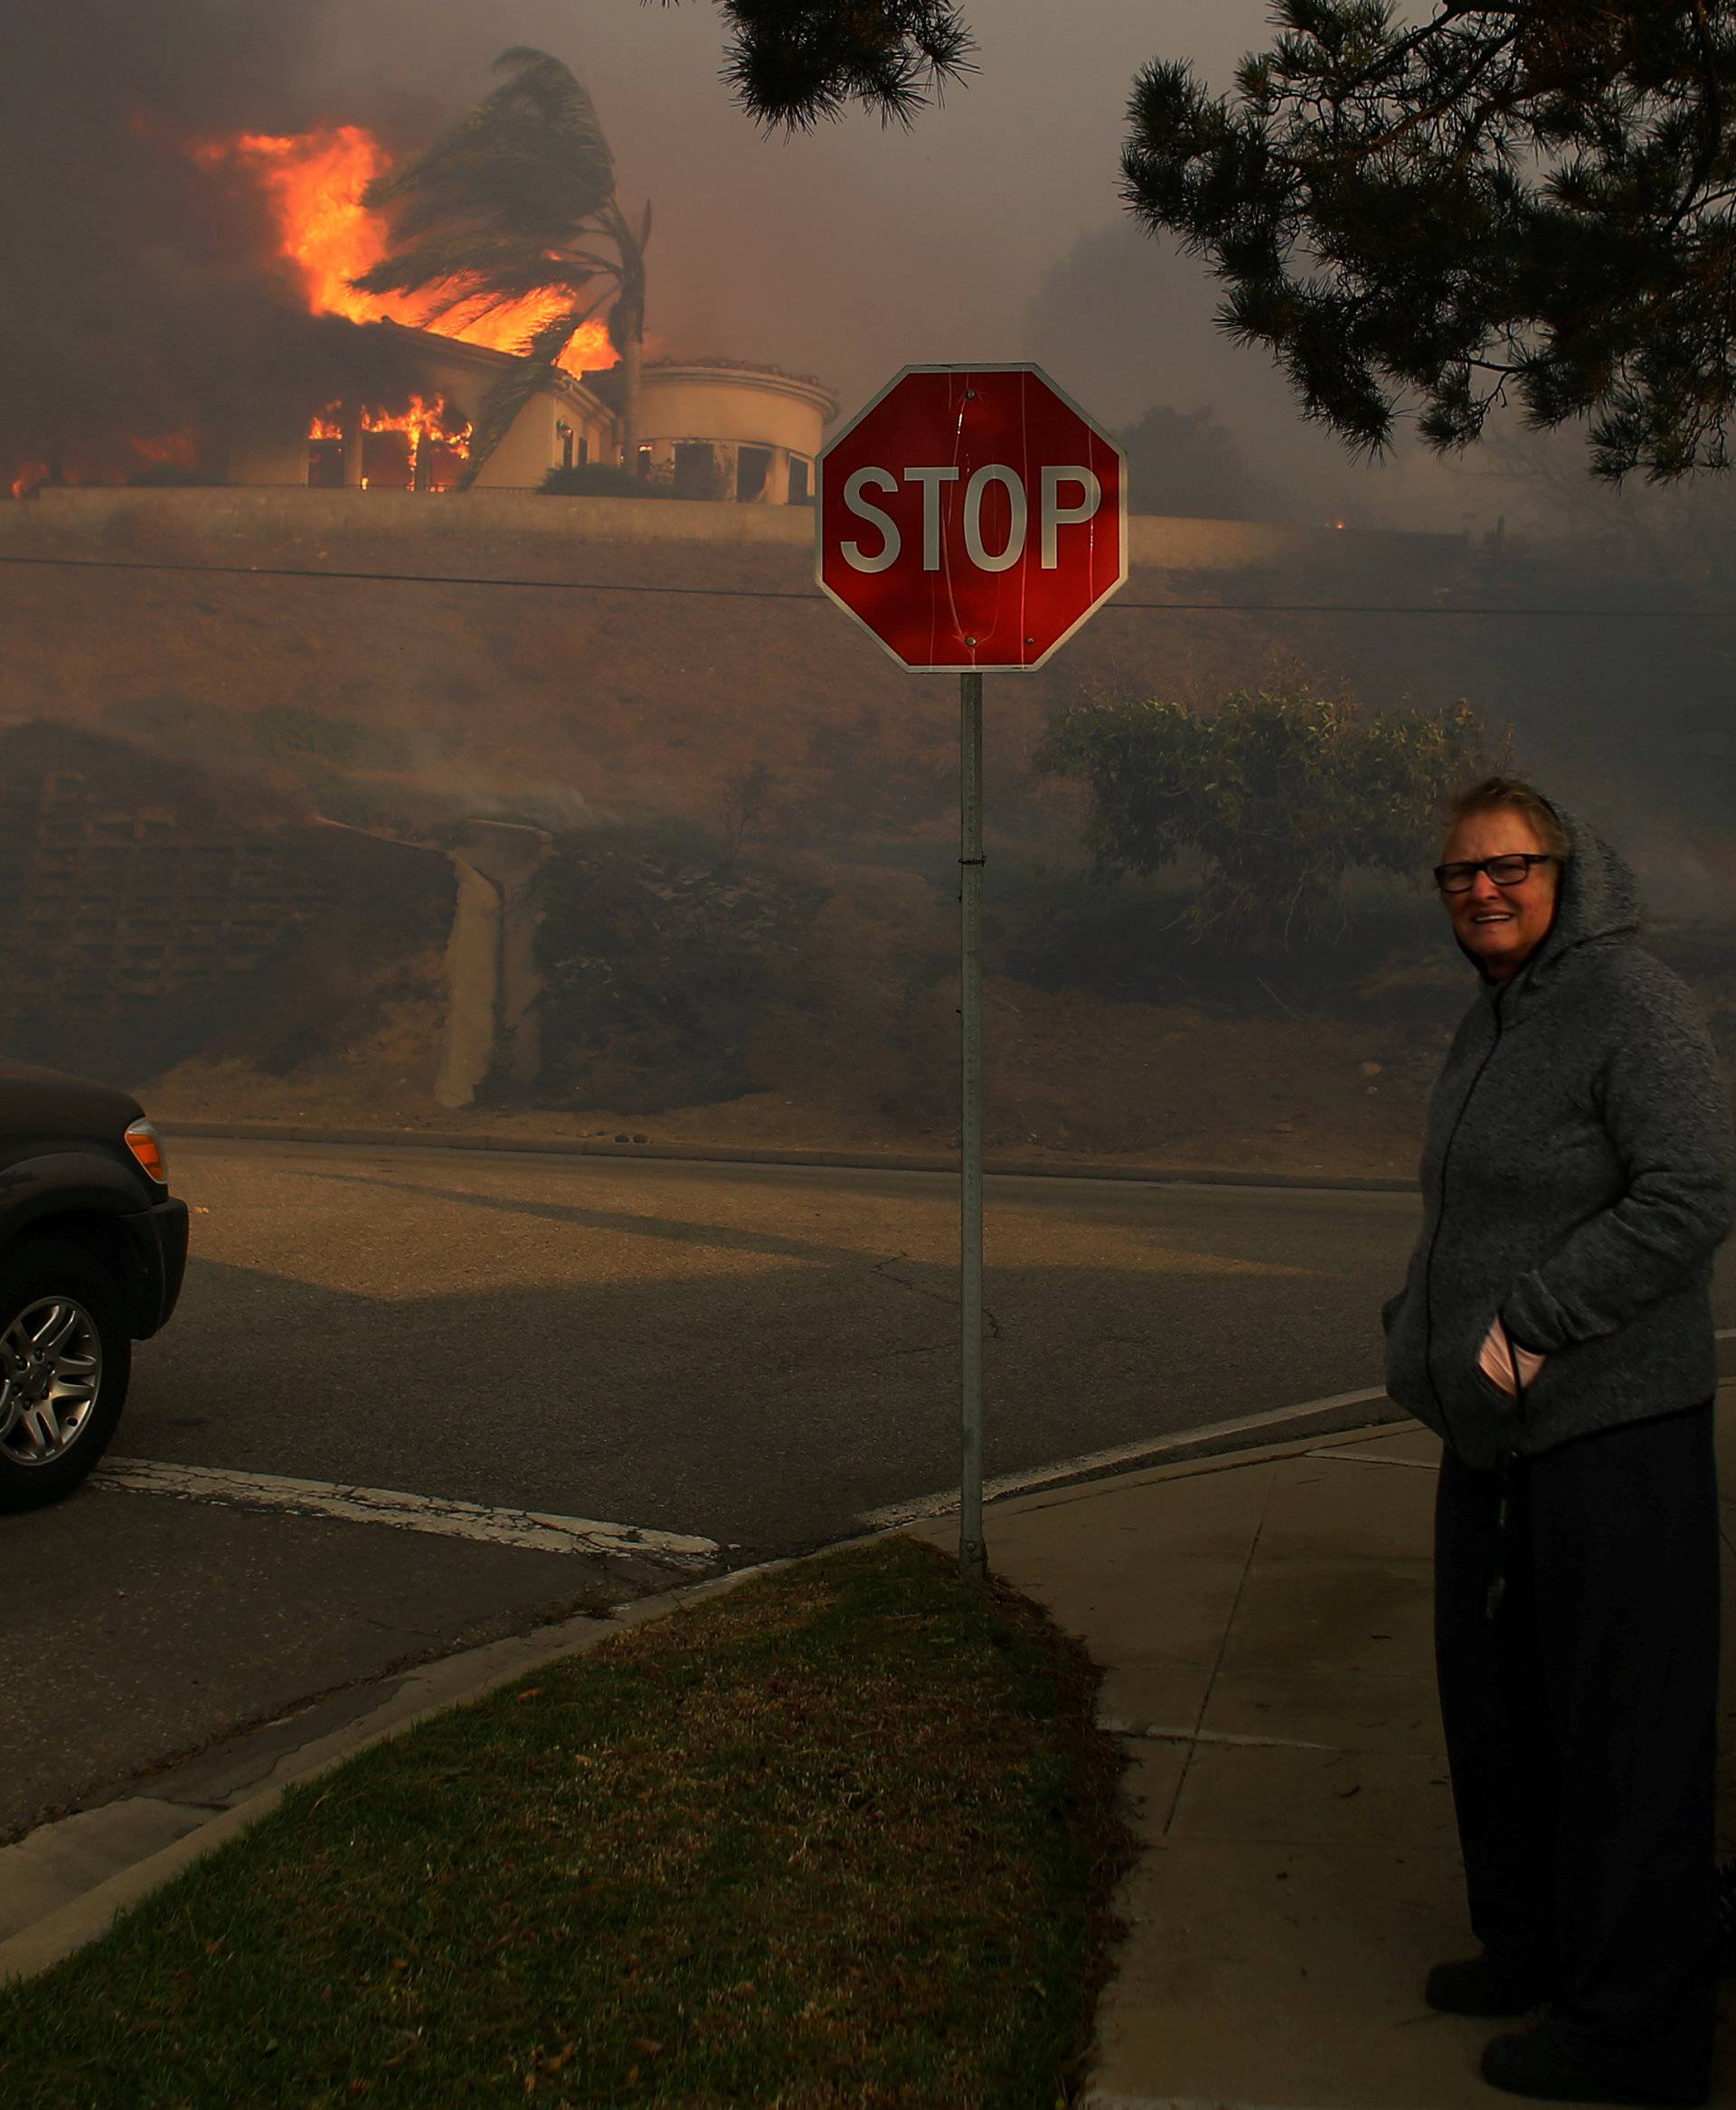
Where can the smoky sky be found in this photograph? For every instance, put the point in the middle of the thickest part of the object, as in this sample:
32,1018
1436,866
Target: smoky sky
142,294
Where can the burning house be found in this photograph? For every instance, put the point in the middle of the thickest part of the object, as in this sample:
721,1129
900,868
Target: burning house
710,428
361,445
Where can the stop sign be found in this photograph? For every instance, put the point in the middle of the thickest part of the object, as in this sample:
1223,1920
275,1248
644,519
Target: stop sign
971,517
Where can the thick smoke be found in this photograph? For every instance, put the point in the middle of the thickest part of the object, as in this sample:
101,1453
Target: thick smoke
143,294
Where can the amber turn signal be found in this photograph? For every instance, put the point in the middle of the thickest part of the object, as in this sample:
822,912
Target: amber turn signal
146,1146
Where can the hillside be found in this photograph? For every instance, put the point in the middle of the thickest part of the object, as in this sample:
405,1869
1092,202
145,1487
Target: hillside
641,700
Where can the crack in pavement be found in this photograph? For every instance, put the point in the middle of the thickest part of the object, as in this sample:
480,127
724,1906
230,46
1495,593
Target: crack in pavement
991,1324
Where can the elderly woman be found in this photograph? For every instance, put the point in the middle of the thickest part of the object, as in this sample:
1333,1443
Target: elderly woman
1555,1331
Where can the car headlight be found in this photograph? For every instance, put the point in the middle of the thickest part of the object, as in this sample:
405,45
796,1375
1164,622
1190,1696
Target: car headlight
146,1146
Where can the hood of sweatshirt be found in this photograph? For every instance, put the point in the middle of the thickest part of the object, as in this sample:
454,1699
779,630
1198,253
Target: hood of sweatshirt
1599,904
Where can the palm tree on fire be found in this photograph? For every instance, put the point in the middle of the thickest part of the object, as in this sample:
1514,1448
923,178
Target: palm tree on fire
518,198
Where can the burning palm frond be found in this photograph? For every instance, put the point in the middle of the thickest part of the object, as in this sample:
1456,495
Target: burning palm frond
517,200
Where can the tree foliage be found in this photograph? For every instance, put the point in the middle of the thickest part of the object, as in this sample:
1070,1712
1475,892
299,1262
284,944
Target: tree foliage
1515,199
518,198
1190,465
1282,796
791,62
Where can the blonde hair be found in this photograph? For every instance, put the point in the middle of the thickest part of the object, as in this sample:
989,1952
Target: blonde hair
1494,792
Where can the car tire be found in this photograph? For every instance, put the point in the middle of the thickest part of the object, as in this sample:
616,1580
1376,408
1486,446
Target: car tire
57,1413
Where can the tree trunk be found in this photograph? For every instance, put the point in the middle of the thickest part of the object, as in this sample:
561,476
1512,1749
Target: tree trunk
632,361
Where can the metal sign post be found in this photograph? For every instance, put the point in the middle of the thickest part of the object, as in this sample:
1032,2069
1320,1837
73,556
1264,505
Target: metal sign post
971,1561
971,517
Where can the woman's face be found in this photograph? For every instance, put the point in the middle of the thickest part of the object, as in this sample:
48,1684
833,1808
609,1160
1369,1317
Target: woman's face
1501,926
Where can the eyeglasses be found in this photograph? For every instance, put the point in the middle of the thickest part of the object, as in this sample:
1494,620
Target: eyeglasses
1505,872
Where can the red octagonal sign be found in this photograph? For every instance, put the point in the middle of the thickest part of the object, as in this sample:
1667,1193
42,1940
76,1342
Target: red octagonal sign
971,517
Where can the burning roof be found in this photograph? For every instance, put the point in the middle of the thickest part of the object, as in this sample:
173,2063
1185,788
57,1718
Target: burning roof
313,181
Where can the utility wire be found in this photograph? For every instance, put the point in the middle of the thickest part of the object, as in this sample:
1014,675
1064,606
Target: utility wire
752,593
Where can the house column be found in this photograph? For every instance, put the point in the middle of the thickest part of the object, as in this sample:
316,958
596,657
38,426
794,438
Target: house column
777,489
351,417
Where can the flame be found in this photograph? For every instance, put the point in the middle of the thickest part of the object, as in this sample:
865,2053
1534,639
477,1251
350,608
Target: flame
181,448
315,181
429,426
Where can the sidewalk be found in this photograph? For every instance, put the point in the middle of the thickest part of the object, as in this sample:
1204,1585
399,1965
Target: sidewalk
1265,1625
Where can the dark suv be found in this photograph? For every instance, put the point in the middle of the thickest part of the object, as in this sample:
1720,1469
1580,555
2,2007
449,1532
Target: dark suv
92,1250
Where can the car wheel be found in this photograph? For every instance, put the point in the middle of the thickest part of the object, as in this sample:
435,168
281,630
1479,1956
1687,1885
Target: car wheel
65,1357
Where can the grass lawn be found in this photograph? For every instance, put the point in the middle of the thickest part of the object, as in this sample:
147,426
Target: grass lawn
844,1835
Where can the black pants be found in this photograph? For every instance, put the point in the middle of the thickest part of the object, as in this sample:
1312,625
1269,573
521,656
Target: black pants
1581,1732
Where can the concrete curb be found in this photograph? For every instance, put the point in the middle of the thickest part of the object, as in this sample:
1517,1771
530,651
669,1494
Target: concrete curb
1215,1440
733,1154
412,1697
431,1689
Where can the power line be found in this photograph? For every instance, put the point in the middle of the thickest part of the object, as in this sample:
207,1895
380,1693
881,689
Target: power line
751,593
403,578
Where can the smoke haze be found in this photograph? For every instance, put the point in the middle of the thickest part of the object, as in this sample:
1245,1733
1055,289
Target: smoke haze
144,295
992,230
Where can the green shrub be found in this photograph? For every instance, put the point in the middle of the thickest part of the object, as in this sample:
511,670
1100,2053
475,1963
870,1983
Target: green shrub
1280,796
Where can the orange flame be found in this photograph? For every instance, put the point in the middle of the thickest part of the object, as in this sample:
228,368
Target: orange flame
181,448
430,427
315,181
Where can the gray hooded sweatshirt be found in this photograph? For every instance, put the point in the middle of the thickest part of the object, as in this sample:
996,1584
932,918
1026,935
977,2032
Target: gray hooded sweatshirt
1579,1176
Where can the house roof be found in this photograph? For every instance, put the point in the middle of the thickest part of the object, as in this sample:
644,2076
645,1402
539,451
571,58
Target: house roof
601,393
750,373
483,359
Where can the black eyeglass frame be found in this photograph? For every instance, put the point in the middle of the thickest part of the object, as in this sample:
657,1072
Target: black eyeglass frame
1473,866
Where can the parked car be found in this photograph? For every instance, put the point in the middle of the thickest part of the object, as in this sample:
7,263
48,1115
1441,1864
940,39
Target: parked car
92,1250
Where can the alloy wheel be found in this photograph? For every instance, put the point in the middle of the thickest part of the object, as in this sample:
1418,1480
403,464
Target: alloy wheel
51,1373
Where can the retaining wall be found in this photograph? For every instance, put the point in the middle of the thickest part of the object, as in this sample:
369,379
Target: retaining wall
448,517
147,911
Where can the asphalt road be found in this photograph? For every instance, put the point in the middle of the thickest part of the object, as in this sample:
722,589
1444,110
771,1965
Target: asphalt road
757,1355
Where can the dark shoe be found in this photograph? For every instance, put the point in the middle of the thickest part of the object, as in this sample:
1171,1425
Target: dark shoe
1480,1985
1533,2063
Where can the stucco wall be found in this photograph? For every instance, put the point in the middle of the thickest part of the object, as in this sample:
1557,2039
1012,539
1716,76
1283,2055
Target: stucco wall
755,410
275,458
525,455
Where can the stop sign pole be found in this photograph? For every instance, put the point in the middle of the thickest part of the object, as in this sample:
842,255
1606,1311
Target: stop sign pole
972,1558
971,518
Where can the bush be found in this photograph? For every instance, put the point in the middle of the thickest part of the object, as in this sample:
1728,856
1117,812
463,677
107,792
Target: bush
661,959
1281,796
171,720
601,480
288,730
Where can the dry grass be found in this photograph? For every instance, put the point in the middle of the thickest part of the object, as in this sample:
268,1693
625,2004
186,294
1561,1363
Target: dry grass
844,1836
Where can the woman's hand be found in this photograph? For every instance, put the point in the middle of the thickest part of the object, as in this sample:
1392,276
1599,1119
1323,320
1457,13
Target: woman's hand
1494,1362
